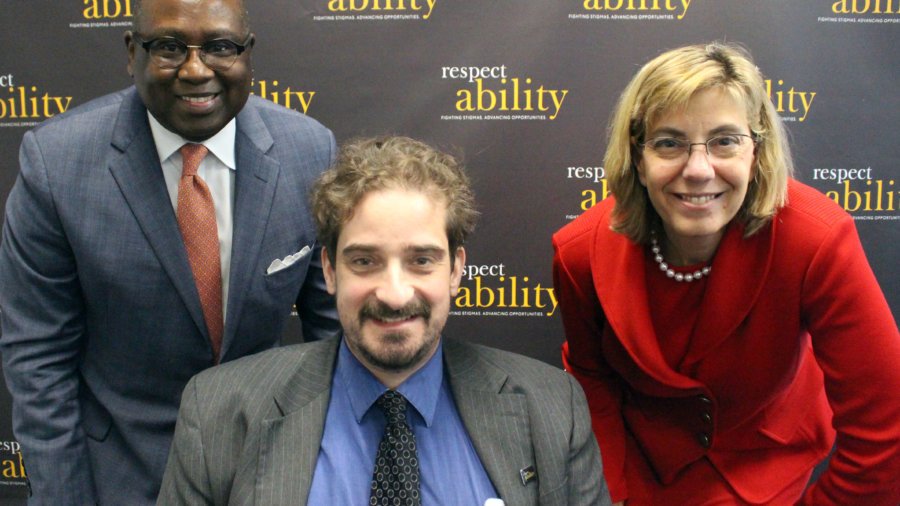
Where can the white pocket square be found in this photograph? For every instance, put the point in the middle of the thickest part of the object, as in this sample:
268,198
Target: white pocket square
283,263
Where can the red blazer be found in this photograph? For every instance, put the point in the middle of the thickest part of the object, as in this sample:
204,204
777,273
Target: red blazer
795,303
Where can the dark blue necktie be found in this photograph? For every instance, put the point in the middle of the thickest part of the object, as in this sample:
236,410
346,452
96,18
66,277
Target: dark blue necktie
395,481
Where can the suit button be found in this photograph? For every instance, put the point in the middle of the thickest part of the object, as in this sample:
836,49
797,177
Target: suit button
704,399
703,439
706,417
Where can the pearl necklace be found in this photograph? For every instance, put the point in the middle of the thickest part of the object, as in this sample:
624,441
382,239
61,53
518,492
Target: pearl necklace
671,274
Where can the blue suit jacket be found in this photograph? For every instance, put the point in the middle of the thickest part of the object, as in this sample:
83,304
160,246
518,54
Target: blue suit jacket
101,321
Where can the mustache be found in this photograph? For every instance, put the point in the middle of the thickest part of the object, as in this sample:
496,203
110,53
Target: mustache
381,311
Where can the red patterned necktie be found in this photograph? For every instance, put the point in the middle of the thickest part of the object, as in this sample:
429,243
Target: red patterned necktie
197,222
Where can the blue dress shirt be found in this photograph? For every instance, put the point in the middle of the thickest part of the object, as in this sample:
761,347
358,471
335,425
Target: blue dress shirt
450,470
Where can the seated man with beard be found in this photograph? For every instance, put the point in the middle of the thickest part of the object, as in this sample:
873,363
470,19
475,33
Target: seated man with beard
389,409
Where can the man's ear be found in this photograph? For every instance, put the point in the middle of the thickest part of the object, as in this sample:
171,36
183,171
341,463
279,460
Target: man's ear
459,261
328,272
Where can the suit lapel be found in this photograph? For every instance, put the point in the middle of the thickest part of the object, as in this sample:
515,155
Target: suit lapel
740,268
254,190
617,266
497,422
139,176
289,444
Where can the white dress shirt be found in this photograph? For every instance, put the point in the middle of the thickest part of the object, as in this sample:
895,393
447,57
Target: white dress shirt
218,173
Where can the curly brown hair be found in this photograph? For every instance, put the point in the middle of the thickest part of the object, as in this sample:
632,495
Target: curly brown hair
371,164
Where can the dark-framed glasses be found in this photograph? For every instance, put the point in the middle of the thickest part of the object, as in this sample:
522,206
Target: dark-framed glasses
171,53
720,146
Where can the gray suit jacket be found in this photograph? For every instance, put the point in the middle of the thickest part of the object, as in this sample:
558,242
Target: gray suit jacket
249,432
101,322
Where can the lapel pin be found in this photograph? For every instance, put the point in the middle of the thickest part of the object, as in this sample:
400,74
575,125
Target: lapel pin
527,474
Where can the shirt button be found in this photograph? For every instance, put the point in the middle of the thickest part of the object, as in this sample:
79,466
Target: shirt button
703,439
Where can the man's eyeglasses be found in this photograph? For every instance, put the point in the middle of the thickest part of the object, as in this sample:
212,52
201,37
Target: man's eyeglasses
171,53
720,146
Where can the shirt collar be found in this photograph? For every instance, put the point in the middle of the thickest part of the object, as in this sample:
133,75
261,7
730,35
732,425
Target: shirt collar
422,389
221,144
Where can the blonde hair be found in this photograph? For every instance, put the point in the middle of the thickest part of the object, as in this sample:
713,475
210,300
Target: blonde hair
372,164
667,83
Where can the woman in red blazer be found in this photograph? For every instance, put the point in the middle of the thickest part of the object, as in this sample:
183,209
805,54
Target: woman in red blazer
722,317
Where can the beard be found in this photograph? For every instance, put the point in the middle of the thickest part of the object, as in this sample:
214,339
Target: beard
391,351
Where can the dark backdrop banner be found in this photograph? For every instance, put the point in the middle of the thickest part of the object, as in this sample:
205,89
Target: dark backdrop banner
524,88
